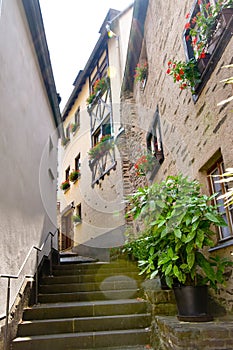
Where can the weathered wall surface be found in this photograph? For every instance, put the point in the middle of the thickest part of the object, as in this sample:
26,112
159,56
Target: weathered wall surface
192,132
28,144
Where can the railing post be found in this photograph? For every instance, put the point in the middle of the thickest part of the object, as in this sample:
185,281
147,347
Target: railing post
7,312
51,253
37,277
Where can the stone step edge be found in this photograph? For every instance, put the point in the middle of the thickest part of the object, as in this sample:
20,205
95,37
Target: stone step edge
112,291
87,303
81,334
70,319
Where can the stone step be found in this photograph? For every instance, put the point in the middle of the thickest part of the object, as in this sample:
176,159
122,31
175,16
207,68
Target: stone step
108,284
85,278
93,271
83,340
83,324
85,296
133,347
85,309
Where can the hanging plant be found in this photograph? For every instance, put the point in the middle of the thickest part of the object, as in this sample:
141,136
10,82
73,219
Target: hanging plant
141,72
186,74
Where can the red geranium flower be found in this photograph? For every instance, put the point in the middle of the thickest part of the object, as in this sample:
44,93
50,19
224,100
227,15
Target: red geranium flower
202,55
187,25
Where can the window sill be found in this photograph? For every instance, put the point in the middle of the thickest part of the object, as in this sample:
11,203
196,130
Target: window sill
76,130
222,245
77,223
65,191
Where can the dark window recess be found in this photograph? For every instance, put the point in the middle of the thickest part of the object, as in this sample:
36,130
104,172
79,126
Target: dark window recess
77,162
101,71
96,136
77,117
68,132
103,130
67,173
106,127
226,232
79,211
154,141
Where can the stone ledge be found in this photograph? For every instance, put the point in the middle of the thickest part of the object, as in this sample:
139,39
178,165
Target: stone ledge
171,334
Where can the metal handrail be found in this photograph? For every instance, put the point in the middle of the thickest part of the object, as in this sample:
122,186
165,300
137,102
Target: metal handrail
9,277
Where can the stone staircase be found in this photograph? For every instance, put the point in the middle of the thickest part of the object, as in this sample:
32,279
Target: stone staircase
87,305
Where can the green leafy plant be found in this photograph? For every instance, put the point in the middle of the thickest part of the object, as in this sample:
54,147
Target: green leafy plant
76,218
99,88
141,72
178,226
65,185
65,141
105,144
74,175
186,74
74,127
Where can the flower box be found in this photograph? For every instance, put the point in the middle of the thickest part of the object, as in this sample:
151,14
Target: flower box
74,175
65,185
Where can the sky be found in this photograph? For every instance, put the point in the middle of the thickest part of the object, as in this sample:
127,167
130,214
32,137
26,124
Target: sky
71,28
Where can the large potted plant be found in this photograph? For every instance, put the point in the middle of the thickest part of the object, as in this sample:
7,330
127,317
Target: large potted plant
178,220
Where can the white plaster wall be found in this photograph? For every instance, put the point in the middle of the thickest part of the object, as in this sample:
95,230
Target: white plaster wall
27,190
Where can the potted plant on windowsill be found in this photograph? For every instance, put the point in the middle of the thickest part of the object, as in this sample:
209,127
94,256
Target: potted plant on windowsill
145,164
76,219
205,28
74,175
65,141
178,229
141,73
99,150
99,89
65,185
74,127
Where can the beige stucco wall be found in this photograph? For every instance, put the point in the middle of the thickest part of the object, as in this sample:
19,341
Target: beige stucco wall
102,206
27,191
191,132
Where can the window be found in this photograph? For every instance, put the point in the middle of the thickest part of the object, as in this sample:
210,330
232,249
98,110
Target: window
214,31
154,141
77,162
227,213
67,173
103,130
106,127
77,117
79,211
101,71
68,132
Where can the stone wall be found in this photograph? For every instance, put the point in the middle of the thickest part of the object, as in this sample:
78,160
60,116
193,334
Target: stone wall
193,132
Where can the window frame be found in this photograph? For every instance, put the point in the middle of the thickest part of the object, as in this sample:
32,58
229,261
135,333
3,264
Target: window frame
67,173
206,65
219,166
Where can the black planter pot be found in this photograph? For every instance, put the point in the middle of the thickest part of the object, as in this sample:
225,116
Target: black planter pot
192,303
